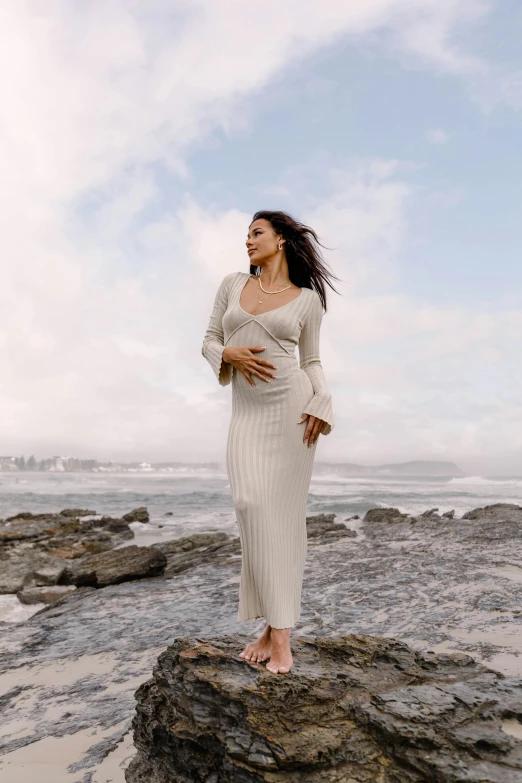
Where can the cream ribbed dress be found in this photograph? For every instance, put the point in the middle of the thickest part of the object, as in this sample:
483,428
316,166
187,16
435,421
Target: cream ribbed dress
268,464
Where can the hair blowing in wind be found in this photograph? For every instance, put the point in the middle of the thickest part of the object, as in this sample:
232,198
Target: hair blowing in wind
306,266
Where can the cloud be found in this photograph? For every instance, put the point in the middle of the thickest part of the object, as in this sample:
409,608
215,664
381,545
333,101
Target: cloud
364,218
411,379
437,136
107,278
135,348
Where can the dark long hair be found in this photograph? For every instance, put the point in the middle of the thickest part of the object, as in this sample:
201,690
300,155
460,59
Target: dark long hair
306,266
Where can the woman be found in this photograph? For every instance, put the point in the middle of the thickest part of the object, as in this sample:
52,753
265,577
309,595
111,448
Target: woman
256,323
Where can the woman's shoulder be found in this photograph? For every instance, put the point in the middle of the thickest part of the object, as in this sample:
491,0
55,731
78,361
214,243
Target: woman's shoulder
313,296
313,303
233,278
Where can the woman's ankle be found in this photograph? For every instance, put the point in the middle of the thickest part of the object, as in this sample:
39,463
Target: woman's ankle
281,635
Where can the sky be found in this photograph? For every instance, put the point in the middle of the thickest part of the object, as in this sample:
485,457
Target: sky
139,138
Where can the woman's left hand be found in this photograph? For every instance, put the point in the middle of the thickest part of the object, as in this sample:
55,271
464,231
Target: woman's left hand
313,427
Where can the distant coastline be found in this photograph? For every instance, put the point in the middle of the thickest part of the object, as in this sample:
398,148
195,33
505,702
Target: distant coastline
425,468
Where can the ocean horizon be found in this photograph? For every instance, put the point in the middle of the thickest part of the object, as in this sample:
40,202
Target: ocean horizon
193,499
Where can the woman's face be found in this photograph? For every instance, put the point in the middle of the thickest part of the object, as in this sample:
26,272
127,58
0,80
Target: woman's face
262,242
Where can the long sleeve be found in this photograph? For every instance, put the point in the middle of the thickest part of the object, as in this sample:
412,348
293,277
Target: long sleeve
309,359
213,345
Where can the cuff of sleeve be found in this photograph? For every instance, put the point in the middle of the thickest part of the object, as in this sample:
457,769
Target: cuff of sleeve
321,406
222,370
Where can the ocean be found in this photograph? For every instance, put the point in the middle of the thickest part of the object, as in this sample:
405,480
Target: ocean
190,500
200,499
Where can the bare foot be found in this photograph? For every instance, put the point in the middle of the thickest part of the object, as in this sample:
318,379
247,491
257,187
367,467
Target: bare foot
260,650
281,658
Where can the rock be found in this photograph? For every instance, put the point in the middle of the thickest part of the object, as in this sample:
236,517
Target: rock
190,543
114,525
354,709
34,548
70,552
323,526
432,512
137,515
13,532
349,519
191,551
36,551
20,567
169,513
428,584
23,515
77,512
449,514
49,575
118,565
504,511
385,515
220,549
46,595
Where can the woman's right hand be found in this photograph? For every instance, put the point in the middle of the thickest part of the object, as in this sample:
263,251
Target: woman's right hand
243,358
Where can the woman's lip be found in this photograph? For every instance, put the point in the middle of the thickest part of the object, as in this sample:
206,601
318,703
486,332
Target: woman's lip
252,250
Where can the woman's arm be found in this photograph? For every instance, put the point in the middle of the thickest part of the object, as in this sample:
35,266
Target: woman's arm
310,361
213,345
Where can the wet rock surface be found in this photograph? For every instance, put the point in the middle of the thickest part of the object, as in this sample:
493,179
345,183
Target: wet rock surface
46,595
355,708
70,671
325,528
218,549
111,568
140,514
388,515
36,548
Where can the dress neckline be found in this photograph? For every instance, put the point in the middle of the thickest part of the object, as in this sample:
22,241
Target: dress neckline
256,315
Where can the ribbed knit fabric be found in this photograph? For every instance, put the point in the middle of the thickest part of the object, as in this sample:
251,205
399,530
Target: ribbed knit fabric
268,464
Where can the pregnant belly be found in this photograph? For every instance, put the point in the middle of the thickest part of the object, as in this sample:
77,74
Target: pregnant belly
291,388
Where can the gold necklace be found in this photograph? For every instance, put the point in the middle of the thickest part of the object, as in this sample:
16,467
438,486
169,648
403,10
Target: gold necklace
268,292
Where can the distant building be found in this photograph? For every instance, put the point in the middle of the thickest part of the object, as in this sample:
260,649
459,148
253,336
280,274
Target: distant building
8,463
60,464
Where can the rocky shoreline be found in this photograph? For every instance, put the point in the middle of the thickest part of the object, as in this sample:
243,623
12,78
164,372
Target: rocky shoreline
47,556
357,708
68,674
